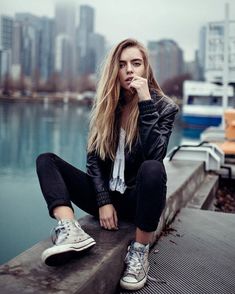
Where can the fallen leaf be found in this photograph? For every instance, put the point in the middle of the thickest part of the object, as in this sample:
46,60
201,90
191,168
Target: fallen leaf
173,242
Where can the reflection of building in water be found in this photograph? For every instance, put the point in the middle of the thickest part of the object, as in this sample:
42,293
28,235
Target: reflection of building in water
26,130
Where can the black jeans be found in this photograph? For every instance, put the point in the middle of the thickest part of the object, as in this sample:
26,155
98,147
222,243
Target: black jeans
62,183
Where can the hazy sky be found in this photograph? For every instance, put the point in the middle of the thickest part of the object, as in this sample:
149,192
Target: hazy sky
144,20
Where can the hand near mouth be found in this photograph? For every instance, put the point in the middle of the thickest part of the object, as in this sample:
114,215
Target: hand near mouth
141,86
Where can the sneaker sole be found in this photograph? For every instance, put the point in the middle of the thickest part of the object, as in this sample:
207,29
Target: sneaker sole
133,286
61,254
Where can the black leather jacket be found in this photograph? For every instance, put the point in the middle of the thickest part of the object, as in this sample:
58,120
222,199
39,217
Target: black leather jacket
156,118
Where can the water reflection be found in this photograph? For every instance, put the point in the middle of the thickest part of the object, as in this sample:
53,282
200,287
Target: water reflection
29,129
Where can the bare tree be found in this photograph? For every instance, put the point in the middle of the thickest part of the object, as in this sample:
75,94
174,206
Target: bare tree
36,80
7,85
86,84
174,86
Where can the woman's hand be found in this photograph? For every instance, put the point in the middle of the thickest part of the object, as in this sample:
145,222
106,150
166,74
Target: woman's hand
108,217
141,86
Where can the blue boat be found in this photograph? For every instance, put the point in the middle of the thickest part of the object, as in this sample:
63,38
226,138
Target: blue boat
202,104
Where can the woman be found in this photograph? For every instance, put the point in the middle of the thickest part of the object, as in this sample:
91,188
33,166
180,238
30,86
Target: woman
130,127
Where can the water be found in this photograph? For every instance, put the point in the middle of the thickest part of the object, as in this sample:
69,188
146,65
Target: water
26,130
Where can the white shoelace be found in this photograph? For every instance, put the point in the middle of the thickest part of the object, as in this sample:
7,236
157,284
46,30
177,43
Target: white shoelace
135,263
63,229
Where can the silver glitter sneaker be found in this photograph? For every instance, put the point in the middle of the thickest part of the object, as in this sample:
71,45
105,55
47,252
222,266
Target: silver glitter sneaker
137,267
68,238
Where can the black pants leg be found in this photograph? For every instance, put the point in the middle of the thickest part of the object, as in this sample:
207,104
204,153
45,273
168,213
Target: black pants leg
62,183
145,203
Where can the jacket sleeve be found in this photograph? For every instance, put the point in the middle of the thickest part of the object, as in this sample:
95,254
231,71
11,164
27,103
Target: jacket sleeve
155,128
95,171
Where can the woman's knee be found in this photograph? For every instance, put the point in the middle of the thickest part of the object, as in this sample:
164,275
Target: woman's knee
152,168
44,158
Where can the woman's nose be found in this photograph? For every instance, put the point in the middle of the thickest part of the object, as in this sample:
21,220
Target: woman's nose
129,68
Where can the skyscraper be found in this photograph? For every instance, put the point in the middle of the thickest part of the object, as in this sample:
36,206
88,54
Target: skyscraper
6,29
46,57
30,42
65,28
214,55
84,47
17,45
202,52
97,49
166,59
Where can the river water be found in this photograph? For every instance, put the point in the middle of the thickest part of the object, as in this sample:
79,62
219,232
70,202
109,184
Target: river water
26,130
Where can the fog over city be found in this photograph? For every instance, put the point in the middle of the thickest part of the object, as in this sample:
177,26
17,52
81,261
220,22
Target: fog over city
144,20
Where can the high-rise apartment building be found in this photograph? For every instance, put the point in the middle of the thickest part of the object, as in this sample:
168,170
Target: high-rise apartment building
33,40
97,50
166,59
36,47
17,45
46,56
85,29
214,54
6,29
30,43
65,32
202,52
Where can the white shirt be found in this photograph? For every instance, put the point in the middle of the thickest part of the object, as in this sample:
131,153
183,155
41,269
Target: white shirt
117,182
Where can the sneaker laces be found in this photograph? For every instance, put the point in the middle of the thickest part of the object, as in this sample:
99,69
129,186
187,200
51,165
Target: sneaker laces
63,230
134,261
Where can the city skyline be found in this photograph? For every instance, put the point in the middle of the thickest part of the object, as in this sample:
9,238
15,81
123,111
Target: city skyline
183,27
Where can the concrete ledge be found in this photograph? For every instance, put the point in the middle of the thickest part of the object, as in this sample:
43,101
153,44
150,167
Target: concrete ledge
99,270
184,178
205,194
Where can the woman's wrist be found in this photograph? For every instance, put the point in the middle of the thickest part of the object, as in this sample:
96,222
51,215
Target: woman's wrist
145,98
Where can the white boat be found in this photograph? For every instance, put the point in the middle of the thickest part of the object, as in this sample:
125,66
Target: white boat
202,103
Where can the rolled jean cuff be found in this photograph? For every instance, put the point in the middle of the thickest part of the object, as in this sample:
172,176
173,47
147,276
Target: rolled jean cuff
147,228
59,202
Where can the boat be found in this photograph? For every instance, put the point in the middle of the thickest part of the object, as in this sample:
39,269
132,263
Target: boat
202,103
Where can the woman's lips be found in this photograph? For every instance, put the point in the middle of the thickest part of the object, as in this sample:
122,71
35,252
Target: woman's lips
129,80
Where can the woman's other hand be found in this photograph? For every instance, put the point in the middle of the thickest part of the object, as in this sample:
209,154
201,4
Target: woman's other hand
141,86
108,217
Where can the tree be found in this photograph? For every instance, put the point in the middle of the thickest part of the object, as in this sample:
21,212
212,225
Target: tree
174,86
86,84
36,80
22,84
53,83
7,85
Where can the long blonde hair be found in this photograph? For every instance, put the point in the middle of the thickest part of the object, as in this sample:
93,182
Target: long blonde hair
105,114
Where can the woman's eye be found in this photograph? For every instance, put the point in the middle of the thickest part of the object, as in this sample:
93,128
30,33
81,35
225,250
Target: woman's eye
137,64
121,65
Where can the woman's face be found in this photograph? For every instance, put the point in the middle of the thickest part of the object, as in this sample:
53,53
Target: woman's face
131,63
